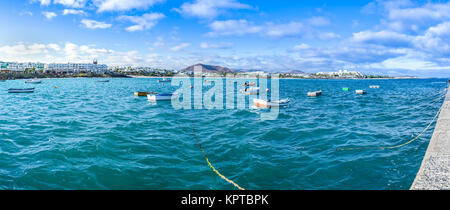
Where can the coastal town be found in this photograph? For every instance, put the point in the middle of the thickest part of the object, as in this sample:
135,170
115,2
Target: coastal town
16,70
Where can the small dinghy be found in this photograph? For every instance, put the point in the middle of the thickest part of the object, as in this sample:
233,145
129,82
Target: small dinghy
251,91
270,104
27,90
165,80
374,86
361,92
249,84
315,93
160,97
104,81
144,93
34,81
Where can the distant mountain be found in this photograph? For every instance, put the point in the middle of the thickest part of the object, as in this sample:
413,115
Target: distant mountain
208,69
295,72
247,70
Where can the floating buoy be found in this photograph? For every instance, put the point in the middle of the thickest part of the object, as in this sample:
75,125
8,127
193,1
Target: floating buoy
268,90
345,89
192,86
55,87
361,92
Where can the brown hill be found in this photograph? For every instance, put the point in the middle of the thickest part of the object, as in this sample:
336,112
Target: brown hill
208,69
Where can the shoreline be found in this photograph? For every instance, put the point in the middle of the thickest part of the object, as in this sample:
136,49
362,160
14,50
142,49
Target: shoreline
11,77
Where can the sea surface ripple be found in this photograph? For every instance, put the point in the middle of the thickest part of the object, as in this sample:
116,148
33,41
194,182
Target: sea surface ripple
90,135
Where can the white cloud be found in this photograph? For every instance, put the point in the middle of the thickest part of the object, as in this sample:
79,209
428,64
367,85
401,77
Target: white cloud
121,5
71,3
318,21
54,47
328,35
233,27
180,47
209,8
49,15
144,22
281,30
92,24
43,2
159,42
436,40
387,38
26,13
23,49
244,27
301,46
222,45
73,12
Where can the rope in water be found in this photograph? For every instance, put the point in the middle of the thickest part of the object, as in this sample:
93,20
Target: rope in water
400,145
211,166
207,160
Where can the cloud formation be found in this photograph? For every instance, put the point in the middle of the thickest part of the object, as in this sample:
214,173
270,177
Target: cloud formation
144,22
93,24
210,8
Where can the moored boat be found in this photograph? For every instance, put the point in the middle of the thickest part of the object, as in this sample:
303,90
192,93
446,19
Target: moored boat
34,81
374,86
104,81
165,80
249,84
251,91
270,104
315,93
26,90
144,93
361,92
160,97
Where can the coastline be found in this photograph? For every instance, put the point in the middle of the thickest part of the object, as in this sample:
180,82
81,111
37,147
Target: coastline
54,76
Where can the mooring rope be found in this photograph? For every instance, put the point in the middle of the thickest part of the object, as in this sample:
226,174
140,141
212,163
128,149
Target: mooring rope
207,159
423,107
400,145
211,166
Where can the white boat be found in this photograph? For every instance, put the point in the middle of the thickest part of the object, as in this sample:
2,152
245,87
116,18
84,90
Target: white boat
361,92
27,90
160,97
315,93
165,80
374,86
251,91
34,81
249,84
104,81
270,104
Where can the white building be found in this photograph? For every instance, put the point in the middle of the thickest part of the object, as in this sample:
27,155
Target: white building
20,67
342,73
76,67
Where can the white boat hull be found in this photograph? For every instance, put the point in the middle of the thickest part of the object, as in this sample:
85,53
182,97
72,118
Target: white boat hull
251,91
29,90
34,81
270,104
162,97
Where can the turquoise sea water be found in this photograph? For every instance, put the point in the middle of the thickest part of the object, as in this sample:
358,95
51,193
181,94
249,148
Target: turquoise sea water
89,135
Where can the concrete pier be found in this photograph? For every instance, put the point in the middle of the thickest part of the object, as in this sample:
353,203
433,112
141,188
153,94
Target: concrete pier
434,173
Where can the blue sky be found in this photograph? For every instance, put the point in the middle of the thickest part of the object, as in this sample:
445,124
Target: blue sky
401,37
